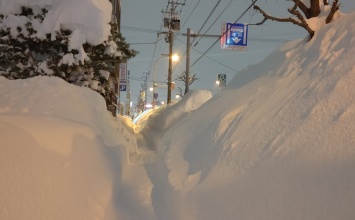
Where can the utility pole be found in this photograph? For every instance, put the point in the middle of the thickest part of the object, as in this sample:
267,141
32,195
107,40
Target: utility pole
128,95
116,11
171,22
146,73
117,64
187,72
188,46
170,70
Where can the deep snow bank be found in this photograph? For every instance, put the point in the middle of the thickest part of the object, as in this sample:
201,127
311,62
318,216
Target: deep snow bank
61,151
279,142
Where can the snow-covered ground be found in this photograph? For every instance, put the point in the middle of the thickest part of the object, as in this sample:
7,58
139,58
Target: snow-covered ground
277,143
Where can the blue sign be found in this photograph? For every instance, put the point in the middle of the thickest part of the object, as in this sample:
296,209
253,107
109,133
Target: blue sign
235,36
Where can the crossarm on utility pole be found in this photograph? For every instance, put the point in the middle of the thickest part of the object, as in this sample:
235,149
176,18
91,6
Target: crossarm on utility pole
187,72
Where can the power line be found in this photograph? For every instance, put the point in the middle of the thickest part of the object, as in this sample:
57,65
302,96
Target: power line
129,28
215,21
190,14
182,5
251,5
208,17
142,43
156,45
155,48
218,62
207,57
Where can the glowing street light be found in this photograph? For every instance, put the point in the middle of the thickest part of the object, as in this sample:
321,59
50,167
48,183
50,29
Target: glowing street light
218,83
174,58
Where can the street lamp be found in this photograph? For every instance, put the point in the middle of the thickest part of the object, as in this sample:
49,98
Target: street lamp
174,57
218,83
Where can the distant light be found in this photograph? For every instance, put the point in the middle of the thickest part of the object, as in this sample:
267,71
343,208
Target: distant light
177,96
217,82
148,105
162,103
175,57
151,89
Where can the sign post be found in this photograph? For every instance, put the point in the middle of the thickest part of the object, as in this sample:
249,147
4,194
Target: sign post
123,77
222,79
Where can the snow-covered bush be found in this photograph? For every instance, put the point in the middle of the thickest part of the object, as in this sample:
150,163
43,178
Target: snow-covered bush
25,52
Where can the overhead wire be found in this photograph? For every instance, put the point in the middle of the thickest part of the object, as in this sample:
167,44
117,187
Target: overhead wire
217,61
201,26
182,5
155,47
203,54
161,26
207,57
214,21
251,5
208,17
129,28
140,43
188,17
138,29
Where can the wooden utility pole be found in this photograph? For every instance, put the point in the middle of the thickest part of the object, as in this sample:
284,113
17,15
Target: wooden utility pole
172,22
118,14
187,80
170,70
128,94
188,46
116,11
170,39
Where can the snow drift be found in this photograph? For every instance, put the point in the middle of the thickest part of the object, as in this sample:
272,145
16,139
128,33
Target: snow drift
278,143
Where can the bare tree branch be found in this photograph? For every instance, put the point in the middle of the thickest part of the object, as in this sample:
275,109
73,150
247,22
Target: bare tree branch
301,22
180,92
182,78
267,16
314,11
303,7
335,8
293,9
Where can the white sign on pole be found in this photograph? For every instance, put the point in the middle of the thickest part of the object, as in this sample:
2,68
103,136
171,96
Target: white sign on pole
123,76
222,79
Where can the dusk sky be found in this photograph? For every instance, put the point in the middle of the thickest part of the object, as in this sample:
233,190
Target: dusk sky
141,21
